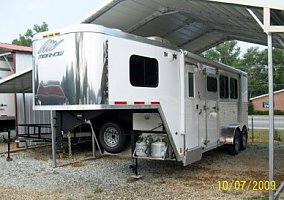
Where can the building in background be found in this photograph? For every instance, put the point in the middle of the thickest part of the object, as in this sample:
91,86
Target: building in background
10,56
261,102
17,107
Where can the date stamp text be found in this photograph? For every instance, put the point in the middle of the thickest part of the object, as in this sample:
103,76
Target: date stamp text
242,185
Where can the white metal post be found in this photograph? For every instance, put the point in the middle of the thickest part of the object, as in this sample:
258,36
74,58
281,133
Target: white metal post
93,139
24,105
271,114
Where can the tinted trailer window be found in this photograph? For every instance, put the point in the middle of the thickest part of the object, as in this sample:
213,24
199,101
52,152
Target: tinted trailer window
143,71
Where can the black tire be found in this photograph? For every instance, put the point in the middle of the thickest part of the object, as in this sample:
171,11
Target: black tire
112,137
235,147
244,139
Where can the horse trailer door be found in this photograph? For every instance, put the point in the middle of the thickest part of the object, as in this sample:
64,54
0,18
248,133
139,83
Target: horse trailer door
192,105
212,107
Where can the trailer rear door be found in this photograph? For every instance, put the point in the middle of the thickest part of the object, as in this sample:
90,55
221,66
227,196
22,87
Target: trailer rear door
192,105
212,107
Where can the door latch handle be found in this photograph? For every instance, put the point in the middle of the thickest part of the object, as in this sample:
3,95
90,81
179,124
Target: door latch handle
215,108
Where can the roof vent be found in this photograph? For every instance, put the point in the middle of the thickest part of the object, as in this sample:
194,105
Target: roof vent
159,39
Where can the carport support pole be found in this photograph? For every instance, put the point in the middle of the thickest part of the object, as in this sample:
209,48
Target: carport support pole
271,114
53,139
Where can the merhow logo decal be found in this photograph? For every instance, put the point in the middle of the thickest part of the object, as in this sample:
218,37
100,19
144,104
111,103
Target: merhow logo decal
46,50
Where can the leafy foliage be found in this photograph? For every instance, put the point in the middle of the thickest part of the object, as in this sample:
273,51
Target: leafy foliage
254,61
26,38
227,53
256,67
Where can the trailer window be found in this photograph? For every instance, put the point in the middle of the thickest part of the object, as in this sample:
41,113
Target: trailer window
211,84
143,71
233,88
224,87
190,85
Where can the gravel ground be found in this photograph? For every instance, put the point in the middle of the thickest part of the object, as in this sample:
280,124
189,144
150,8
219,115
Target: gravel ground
30,176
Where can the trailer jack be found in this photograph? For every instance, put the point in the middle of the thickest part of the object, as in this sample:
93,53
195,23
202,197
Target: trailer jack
134,167
9,141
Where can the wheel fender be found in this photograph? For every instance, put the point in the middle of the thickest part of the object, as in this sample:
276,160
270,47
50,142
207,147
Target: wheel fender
228,133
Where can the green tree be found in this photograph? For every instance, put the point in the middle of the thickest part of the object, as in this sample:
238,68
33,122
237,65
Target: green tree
227,53
278,63
253,62
26,38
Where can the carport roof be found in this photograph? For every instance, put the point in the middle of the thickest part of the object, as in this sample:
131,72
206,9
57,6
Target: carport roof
194,25
17,83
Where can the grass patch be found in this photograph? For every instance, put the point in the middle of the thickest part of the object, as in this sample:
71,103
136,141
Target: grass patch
89,197
259,198
160,182
260,135
98,190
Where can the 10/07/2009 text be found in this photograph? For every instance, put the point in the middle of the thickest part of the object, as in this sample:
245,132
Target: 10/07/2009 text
224,185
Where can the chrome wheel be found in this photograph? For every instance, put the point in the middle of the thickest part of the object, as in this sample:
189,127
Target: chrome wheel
111,137
235,147
244,139
237,144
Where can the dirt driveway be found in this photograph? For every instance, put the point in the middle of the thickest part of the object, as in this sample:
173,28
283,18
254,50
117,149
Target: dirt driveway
217,176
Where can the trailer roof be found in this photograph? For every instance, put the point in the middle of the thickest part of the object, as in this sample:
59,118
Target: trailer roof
194,25
17,83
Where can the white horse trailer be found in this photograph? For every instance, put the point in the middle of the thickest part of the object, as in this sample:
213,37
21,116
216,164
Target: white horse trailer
177,104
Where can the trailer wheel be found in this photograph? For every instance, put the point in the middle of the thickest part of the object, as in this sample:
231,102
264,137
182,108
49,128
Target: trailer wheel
112,137
244,139
235,147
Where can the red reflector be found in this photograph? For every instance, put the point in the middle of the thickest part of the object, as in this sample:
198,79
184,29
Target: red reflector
155,103
120,102
139,102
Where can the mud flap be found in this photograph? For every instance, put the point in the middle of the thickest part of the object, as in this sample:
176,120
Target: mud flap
192,155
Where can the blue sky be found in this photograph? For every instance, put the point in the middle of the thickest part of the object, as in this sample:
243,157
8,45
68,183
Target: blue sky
19,15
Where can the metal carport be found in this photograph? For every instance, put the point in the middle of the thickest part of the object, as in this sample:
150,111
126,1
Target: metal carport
20,82
197,25
194,25
17,83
